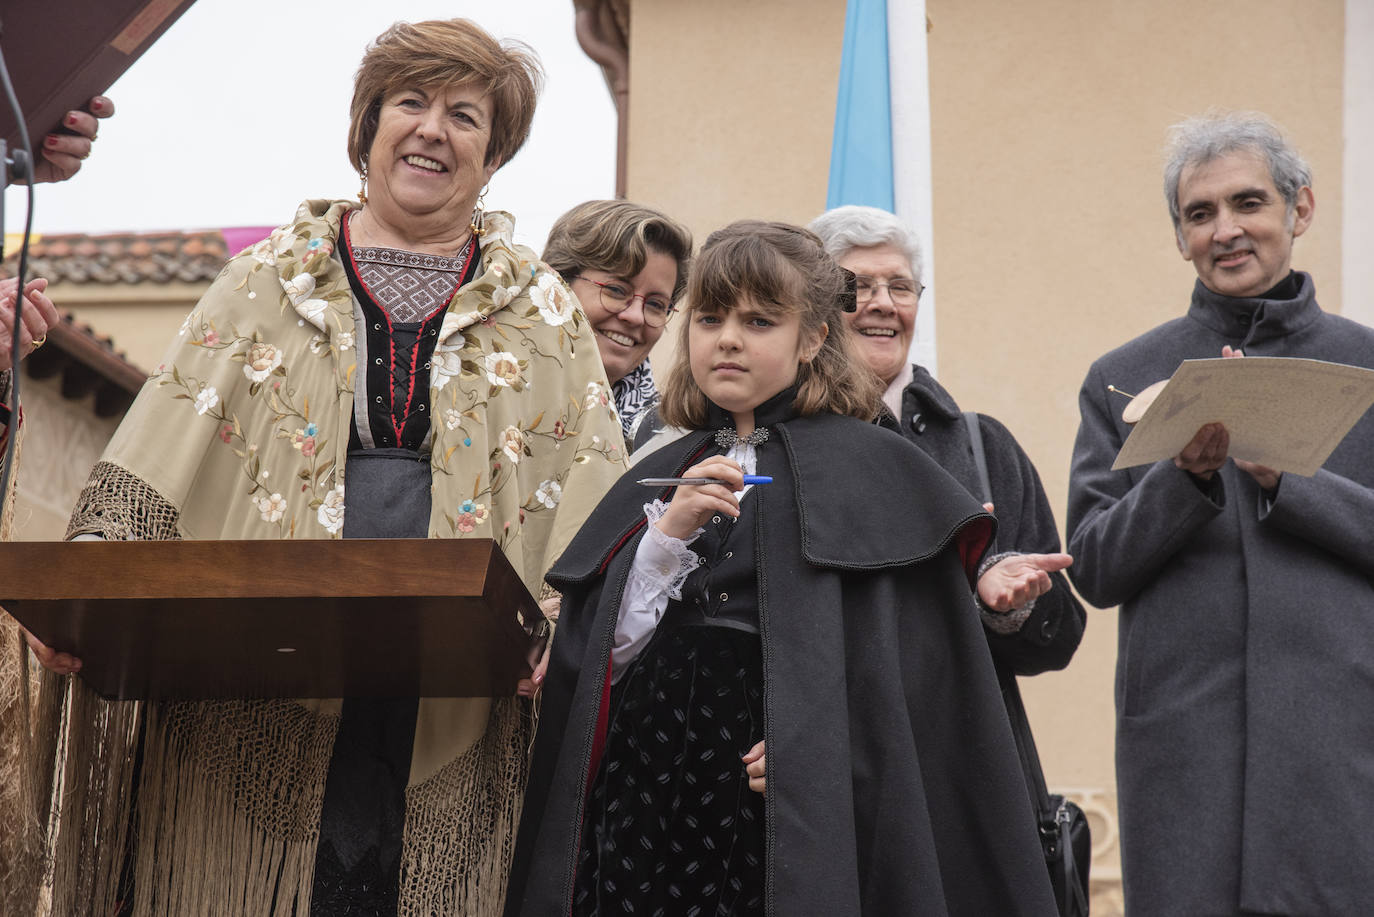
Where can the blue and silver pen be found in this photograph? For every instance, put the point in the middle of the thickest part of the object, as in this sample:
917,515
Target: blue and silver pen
675,482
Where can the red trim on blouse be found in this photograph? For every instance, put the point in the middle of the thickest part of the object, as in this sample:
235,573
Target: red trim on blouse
391,331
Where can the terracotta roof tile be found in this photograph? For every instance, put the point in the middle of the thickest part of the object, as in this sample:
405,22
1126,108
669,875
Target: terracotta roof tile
126,258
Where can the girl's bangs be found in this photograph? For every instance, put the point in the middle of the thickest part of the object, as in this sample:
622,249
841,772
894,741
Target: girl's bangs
745,270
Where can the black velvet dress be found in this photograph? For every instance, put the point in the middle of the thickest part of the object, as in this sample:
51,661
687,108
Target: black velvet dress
671,826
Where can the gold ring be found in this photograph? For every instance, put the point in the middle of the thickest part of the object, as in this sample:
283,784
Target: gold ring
40,342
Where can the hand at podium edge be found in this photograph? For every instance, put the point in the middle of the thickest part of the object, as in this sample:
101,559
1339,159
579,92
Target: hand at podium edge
63,152
530,687
51,659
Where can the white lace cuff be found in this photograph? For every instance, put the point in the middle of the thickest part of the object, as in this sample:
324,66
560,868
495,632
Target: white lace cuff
666,561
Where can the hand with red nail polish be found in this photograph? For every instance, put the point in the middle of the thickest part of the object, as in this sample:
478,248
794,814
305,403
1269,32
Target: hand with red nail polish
63,153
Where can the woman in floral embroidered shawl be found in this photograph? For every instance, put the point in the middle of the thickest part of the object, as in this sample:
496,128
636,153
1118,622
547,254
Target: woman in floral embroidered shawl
408,343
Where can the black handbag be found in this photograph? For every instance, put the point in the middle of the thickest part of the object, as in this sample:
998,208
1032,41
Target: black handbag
1064,834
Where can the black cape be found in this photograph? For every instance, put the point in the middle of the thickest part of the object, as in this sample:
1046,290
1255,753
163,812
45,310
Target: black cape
893,781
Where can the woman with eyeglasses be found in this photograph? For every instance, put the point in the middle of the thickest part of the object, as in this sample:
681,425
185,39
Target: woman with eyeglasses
1032,619
627,265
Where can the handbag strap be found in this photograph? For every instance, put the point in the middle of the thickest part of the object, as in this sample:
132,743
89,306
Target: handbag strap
1025,747
980,459
1011,692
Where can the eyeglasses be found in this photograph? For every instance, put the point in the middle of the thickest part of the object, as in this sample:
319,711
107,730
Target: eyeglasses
902,291
616,298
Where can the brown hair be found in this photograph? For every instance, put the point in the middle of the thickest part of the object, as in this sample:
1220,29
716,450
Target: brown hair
446,52
775,264
616,237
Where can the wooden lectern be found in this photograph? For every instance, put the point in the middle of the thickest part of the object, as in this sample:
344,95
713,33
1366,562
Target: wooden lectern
192,620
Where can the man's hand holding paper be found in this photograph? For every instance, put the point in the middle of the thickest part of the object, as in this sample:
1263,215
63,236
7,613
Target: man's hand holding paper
1271,414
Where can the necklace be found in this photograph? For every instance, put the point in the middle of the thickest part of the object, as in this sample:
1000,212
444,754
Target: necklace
727,437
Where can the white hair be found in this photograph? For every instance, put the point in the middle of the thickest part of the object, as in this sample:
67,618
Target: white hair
845,228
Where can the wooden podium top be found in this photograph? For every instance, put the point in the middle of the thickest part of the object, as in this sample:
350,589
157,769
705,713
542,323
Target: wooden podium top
219,619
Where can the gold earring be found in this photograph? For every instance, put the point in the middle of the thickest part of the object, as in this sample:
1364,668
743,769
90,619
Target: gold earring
478,225
362,191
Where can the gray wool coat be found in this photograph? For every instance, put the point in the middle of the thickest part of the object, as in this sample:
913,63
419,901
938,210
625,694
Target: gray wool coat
1245,667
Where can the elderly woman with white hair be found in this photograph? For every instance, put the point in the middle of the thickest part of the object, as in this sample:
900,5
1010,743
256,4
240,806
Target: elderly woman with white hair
1032,619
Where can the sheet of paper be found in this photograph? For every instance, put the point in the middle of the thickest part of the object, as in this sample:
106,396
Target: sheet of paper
1288,414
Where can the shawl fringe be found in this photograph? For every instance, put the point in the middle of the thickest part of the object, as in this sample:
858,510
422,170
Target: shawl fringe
95,760
229,807
119,506
22,825
461,823
23,784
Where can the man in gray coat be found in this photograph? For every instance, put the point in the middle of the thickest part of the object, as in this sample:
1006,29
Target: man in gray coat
1245,668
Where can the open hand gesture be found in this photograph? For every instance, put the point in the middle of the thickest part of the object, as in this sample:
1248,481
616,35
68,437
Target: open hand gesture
1013,581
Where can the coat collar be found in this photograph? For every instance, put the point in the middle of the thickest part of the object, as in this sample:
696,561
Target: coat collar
773,411
1252,320
930,395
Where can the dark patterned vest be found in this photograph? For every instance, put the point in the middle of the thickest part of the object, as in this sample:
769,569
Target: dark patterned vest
723,591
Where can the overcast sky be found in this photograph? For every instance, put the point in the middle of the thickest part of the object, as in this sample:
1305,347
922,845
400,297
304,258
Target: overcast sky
240,111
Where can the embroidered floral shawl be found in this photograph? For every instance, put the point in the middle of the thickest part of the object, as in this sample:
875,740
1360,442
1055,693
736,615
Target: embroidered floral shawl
242,432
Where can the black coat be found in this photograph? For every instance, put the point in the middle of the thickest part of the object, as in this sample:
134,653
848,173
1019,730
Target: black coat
893,783
931,419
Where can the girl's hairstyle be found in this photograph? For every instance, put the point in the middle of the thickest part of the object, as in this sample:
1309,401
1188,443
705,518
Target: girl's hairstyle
782,267
617,237
446,52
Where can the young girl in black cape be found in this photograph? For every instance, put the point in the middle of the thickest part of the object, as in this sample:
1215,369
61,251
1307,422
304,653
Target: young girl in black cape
825,616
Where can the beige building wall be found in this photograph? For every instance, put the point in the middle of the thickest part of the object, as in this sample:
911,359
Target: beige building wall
1357,230
732,106
1051,234
140,319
